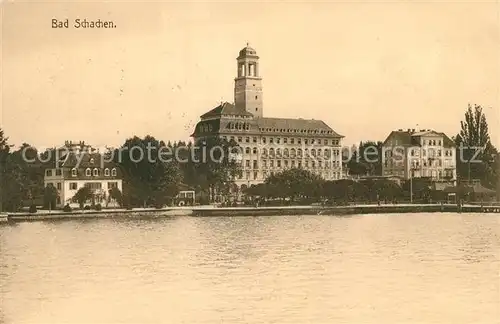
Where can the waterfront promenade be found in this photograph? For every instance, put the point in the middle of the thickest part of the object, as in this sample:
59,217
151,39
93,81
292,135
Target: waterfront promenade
200,211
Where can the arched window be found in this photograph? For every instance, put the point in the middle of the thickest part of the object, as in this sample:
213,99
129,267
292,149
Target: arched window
106,172
313,152
96,172
88,172
113,172
271,152
264,151
254,150
278,151
73,172
247,150
319,152
285,152
293,152
299,152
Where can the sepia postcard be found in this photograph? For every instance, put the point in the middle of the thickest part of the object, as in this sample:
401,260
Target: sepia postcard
249,162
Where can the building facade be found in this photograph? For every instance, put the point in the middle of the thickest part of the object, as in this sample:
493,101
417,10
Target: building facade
269,145
80,166
419,154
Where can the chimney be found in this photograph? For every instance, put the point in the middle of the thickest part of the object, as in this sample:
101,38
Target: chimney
413,130
400,130
408,130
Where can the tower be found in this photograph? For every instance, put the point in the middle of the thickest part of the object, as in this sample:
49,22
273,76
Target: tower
248,83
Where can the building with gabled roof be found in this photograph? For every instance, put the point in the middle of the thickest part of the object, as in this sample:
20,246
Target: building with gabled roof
79,165
421,153
269,145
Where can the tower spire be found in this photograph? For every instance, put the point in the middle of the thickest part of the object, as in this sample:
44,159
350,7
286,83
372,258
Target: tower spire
248,83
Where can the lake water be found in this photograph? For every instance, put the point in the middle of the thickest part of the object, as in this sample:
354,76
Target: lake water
414,268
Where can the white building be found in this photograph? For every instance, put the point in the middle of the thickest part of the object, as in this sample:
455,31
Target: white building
419,154
81,166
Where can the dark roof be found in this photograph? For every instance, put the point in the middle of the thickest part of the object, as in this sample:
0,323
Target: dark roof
86,160
226,108
293,125
404,137
301,126
409,138
207,127
247,51
447,142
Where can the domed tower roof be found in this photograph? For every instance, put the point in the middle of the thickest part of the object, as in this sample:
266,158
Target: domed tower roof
248,51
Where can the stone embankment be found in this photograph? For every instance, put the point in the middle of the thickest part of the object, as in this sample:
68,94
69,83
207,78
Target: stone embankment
208,211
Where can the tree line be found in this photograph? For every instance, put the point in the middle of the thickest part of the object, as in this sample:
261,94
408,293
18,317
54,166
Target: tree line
298,186
156,183
146,182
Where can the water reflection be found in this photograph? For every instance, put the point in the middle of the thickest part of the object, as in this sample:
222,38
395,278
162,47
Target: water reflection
439,268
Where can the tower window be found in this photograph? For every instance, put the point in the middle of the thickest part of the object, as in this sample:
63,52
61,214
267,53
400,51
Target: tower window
256,109
256,97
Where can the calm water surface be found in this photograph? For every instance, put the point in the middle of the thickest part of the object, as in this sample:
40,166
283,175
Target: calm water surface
417,268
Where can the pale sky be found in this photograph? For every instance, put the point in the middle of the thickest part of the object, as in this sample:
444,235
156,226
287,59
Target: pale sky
365,68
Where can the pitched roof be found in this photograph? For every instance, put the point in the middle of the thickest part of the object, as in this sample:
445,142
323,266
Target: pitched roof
294,125
412,138
207,127
86,160
404,137
226,108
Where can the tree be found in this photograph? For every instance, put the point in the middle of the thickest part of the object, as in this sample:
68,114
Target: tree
475,153
294,183
13,178
50,197
345,190
82,195
4,152
215,164
366,159
150,175
115,194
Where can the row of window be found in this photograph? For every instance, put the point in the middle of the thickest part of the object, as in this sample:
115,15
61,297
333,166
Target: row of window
432,142
416,152
206,128
289,130
96,172
432,152
423,162
433,174
255,175
88,172
293,152
92,185
286,140
292,163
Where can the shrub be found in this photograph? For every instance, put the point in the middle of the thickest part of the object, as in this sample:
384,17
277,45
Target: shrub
98,207
32,209
86,207
67,208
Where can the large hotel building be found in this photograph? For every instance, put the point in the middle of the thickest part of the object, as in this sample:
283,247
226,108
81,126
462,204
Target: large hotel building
269,145
421,153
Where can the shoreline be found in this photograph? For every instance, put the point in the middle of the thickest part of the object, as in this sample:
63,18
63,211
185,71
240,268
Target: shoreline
211,211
